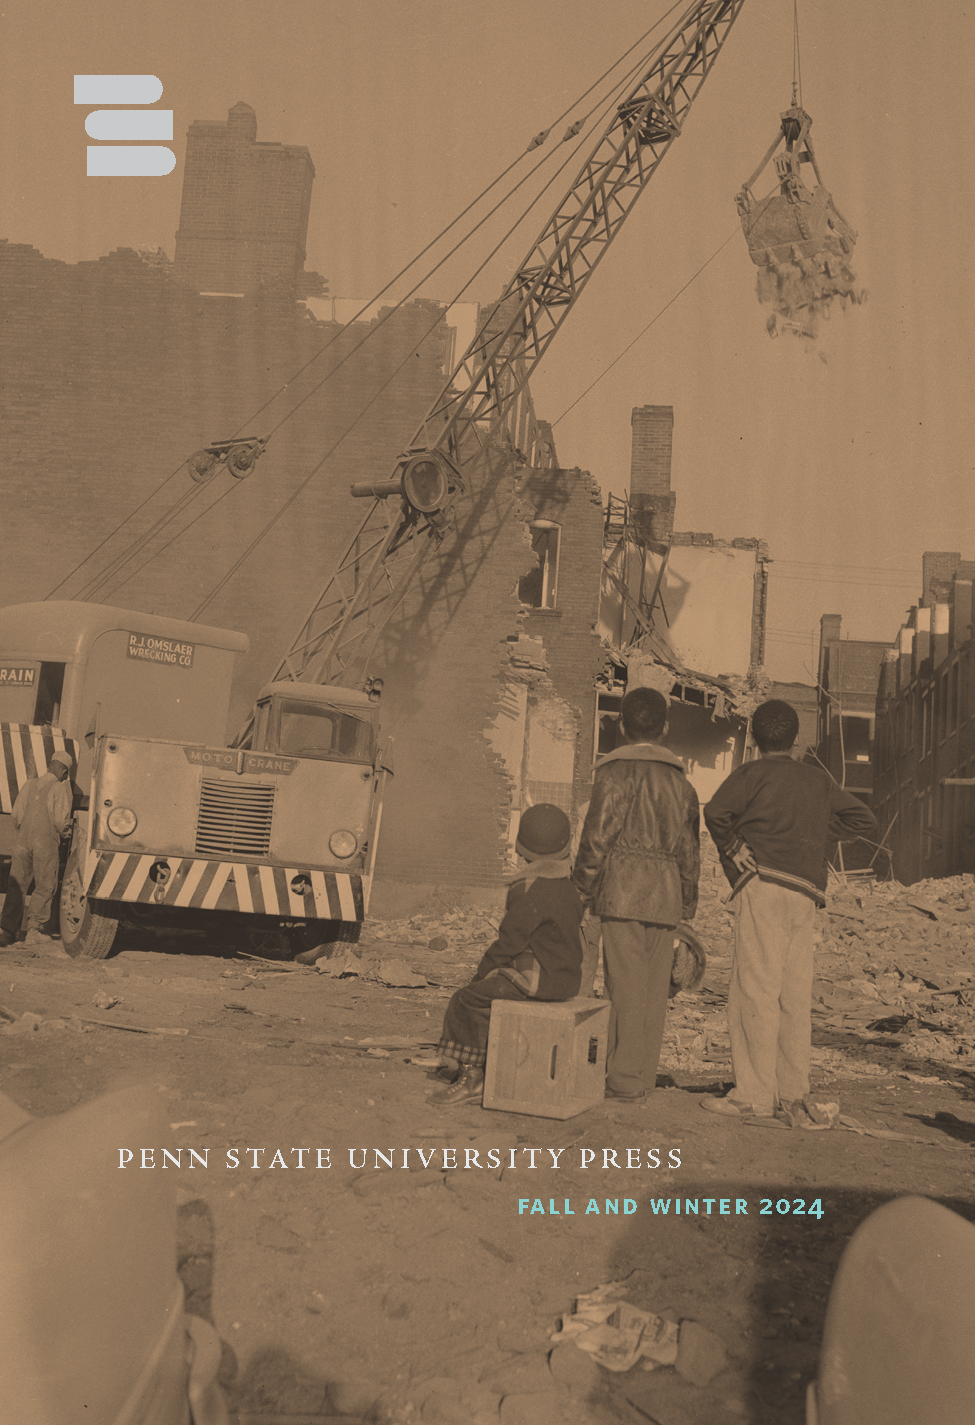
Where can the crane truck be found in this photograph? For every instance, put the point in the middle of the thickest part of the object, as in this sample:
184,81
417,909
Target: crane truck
281,827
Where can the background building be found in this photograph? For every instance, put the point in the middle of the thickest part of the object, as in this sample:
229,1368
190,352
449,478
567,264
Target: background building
925,710
849,670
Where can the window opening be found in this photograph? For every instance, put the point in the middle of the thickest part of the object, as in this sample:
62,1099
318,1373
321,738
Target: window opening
50,687
539,588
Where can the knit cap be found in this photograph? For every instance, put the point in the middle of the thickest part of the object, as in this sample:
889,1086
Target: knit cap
543,831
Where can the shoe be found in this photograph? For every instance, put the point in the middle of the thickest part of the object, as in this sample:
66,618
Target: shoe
728,1107
37,937
469,1088
795,1114
6,938
625,1097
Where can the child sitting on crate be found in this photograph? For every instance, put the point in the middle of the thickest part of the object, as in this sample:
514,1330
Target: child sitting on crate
537,955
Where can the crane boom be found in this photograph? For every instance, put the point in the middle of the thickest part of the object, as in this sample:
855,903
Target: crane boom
395,537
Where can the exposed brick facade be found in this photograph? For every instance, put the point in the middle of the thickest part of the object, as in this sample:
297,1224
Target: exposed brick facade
576,656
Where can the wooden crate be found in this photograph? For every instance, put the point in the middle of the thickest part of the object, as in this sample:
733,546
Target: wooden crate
547,1060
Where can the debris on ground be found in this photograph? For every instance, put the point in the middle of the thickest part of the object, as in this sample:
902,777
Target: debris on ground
893,973
617,1334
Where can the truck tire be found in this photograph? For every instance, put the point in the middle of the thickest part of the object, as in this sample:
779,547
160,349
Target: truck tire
344,932
315,942
87,932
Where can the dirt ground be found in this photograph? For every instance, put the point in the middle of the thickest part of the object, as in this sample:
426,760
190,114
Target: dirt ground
402,1295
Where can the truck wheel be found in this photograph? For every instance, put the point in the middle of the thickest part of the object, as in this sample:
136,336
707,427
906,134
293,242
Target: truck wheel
344,932
86,931
316,941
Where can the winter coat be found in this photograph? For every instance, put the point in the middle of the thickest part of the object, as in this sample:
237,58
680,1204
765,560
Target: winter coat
538,944
787,813
639,856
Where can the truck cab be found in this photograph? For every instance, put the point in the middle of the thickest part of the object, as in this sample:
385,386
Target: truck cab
172,826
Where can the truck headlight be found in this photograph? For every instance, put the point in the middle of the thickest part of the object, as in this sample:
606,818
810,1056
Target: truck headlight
122,821
343,844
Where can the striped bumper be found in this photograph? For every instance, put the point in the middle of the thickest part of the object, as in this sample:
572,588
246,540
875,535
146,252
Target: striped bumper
25,751
226,885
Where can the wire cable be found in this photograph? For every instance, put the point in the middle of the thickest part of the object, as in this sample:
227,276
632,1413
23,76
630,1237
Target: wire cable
99,580
796,60
640,335
331,451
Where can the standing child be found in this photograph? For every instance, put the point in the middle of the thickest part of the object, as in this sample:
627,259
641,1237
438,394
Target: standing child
772,821
537,955
637,868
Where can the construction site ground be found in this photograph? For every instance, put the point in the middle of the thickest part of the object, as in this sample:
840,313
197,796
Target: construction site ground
410,1294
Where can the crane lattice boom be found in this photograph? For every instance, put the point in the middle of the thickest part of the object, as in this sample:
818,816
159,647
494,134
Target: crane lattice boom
480,393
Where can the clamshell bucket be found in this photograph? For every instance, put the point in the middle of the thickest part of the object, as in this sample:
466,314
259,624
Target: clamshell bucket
796,237
782,225
796,222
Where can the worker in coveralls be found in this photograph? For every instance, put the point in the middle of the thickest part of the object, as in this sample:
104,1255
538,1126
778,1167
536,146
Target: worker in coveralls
42,816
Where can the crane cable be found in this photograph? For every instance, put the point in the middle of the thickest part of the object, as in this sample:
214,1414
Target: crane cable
358,417
796,61
607,103
332,449
97,581
576,129
796,88
641,334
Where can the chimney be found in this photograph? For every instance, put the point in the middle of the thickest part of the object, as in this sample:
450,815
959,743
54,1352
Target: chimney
922,642
829,632
887,689
652,502
905,651
940,628
937,568
961,612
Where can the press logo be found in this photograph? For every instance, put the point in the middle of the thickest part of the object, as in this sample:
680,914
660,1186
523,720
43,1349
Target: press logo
130,141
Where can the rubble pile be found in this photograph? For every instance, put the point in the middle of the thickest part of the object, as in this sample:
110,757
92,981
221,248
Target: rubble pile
893,972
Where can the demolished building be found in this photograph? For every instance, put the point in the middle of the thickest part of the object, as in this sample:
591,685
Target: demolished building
505,661
681,612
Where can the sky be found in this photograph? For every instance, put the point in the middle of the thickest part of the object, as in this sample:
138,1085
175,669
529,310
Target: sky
849,458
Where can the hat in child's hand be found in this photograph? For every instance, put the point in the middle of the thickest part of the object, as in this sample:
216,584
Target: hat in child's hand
690,961
544,830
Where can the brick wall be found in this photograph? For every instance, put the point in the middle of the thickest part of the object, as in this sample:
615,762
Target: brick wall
571,498
117,370
446,663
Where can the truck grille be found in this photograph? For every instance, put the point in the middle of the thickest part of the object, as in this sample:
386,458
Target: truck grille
235,819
